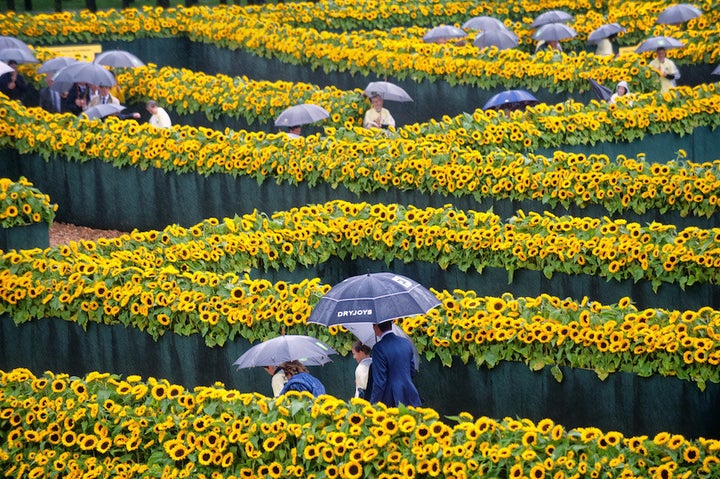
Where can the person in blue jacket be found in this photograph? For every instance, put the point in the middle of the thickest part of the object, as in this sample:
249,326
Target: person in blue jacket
392,369
299,379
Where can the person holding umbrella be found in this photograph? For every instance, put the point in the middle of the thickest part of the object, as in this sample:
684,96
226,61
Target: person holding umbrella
377,116
13,83
669,73
392,369
299,379
278,379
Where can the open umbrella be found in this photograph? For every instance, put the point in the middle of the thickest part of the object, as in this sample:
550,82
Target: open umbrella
55,64
103,110
443,32
18,54
83,72
483,23
678,14
510,99
301,115
716,71
288,347
388,91
502,39
366,335
601,92
605,31
118,58
551,16
373,298
5,68
551,32
653,43
12,42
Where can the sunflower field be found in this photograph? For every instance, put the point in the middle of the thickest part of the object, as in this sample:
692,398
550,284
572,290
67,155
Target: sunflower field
574,246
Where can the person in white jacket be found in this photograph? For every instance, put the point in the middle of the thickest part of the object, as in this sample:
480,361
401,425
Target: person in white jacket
158,116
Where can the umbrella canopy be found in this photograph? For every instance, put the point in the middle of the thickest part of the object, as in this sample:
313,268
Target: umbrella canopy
605,31
373,298
601,92
288,347
366,335
510,99
443,32
20,55
716,71
56,64
653,43
502,39
678,14
301,115
83,72
103,110
388,91
551,16
12,42
5,68
483,23
551,32
118,58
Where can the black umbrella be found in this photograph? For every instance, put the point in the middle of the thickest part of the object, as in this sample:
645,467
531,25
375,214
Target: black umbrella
511,99
601,92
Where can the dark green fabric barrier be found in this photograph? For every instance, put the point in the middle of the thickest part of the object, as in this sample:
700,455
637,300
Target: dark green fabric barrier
622,402
25,237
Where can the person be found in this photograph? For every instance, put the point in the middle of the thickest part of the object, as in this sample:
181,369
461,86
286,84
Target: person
377,116
605,47
13,83
294,131
278,379
392,369
77,98
361,353
94,92
103,97
669,73
49,99
621,89
299,379
158,116
549,45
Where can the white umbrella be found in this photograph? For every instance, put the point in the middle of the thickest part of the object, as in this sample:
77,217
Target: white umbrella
502,39
55,64
551,32
551,16
118,58
653,43
301,115
5,68
19,55
443,32
388,91
676,14
605,31
288,347
12,42
483,23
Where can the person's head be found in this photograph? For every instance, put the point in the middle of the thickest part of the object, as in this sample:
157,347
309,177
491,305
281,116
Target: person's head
377,101
360,351
295,130
554,44
291,368
622,88
104,90
612,37
151,106
12,64
49,80
660,53
383,327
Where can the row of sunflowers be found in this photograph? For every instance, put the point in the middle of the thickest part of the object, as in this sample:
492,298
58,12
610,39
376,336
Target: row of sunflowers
23,204
177,280
102,425
398,51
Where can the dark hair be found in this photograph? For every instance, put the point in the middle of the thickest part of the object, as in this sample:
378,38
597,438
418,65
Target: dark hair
385,326
291,368
361,348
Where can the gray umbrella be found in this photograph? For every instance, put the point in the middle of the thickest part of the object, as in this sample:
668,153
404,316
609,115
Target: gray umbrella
288,347
552,32
678,14
83,72
12,42
18,54
502,39
102,110
366,335
443,32
551,16
388,91
605,31
716,71
653,43
118,58
483,23
373,298
301,115
55,64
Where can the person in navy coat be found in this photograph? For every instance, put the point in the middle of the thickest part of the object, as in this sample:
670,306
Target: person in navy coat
392,369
